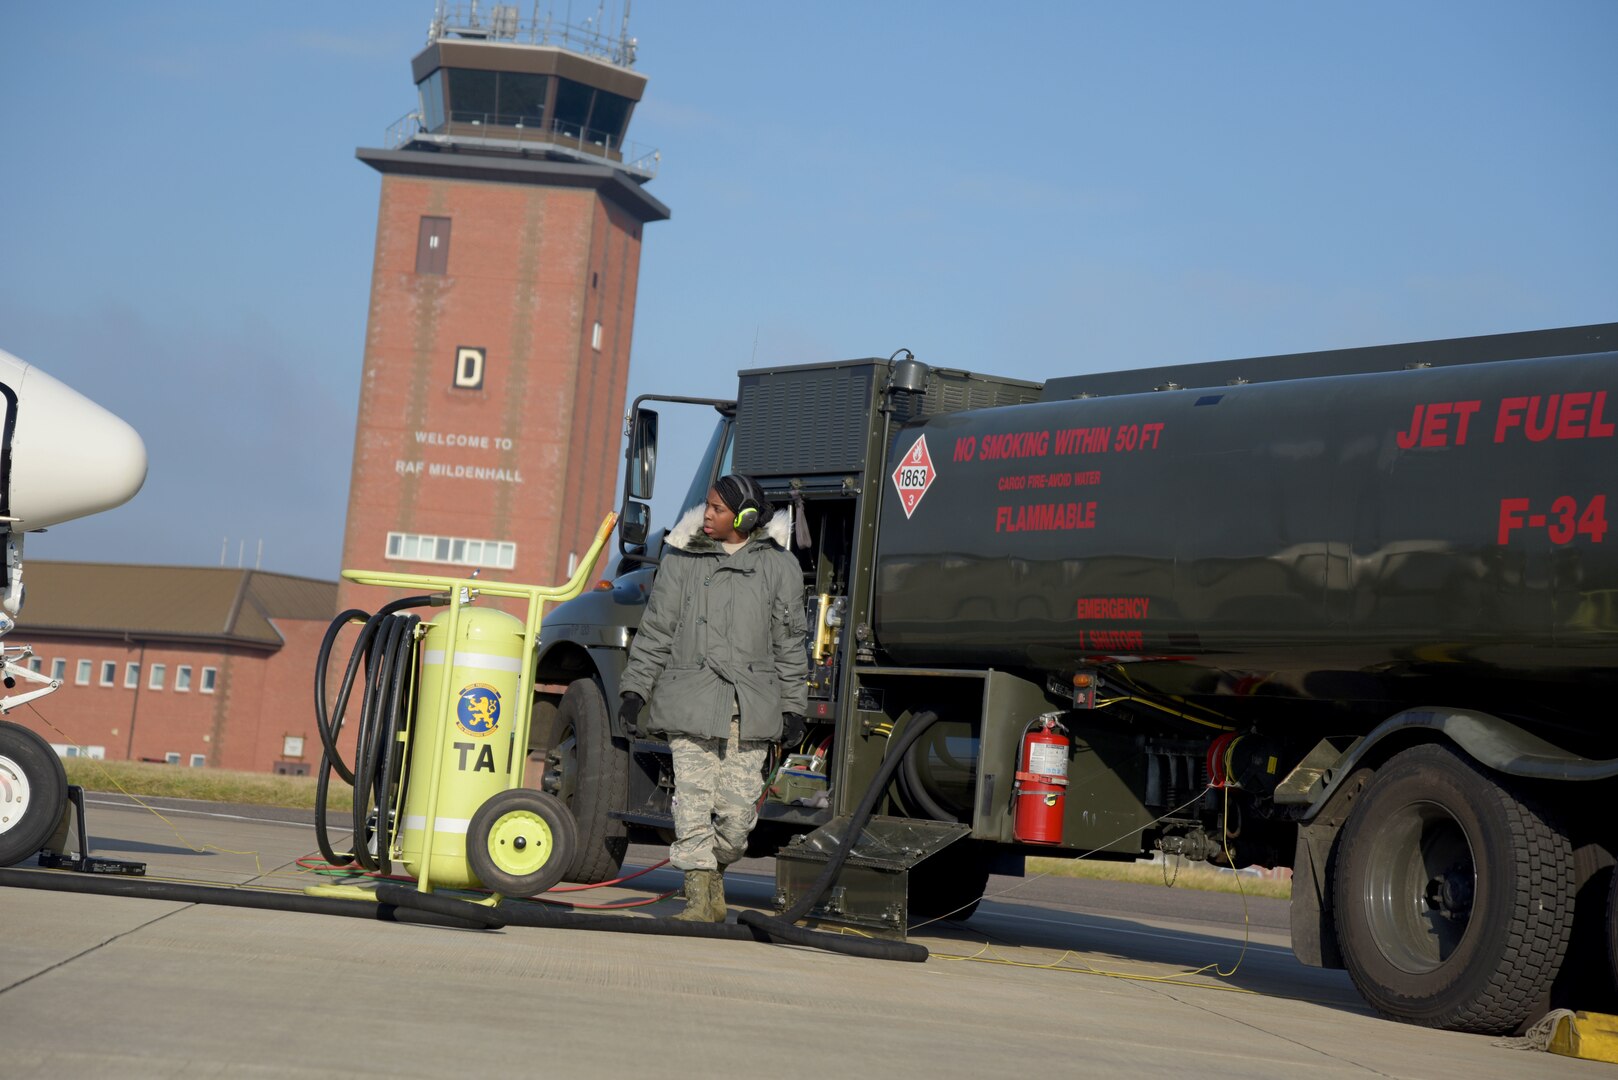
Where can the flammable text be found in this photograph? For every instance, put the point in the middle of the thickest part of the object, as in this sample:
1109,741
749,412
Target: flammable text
1045,517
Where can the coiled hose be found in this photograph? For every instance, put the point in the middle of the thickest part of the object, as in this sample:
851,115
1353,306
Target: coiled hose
386,646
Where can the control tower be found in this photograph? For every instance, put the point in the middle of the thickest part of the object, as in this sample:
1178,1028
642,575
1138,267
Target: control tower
502,300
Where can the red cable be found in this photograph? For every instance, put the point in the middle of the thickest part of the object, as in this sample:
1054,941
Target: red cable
614,881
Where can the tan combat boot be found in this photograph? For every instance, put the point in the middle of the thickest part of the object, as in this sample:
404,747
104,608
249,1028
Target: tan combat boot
698,896
716,895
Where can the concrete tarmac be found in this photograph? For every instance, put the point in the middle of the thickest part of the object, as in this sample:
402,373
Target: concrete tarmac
1053,978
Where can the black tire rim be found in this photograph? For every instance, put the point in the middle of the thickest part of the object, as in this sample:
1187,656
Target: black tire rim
562,772
1420,882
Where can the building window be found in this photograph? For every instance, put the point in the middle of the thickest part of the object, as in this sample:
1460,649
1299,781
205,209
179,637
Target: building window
109,671
198,760
131,675
83,676
209,677
35,663
500,554
171,758
595,338
182,677
432,246
58,669
159,673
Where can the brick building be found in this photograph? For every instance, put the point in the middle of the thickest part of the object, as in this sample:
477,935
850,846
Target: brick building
502,303
190,665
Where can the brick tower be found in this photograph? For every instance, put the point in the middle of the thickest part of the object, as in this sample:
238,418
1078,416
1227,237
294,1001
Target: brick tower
502,299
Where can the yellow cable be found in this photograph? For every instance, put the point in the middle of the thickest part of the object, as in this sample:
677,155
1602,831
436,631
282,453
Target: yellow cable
1123,676
1247,930
1172,712
257,860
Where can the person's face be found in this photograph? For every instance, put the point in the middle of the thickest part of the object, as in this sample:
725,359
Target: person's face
718,521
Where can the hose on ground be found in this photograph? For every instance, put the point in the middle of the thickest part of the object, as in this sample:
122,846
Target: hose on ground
537,915
750,925
782,927
467,917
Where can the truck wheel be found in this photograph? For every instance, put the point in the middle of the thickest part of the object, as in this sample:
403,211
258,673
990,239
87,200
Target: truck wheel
33,792
1454,895
948,885
591,776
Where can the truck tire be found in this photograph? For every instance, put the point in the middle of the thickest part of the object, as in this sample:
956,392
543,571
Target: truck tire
948,885
591,777
1454,895
33,792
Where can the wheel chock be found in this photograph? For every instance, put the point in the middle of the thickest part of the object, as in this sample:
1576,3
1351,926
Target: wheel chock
1587,1035
55,857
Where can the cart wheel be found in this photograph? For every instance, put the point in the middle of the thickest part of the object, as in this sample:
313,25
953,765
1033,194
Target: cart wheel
520,842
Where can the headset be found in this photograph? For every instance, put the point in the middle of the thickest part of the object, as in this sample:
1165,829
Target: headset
746,519
751,513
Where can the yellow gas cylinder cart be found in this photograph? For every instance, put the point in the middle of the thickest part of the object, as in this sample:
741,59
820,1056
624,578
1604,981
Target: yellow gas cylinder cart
442,747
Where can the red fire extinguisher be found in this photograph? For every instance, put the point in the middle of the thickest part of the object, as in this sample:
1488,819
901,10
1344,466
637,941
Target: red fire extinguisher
1041,783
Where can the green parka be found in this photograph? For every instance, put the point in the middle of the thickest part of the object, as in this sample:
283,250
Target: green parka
719,629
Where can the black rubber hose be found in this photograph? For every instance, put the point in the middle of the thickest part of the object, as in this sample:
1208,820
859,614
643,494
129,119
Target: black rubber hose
915,790
103,885
862,814
323,726
782,928
381,716
400,690
549,918
536,915
786,933
380,646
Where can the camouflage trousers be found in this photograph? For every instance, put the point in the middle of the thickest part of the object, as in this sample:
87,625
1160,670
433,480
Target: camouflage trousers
717,783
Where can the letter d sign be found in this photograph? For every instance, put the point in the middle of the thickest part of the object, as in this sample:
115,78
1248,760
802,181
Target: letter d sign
468,368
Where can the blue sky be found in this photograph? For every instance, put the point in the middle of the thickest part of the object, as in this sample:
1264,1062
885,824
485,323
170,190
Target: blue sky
1033,189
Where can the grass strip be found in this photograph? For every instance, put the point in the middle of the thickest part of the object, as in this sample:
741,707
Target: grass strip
1198,876
209,785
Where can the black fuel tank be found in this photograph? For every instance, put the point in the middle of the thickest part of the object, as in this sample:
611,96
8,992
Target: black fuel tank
1453,515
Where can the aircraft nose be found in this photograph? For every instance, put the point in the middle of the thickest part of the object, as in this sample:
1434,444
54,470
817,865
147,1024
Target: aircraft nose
68,457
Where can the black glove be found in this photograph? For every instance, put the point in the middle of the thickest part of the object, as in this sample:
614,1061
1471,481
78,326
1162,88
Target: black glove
793,728
629,709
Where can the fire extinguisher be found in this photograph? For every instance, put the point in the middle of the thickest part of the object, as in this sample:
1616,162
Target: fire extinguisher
1041,783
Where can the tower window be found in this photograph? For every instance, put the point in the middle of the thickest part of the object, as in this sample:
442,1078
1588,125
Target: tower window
595,338
432,246
472,96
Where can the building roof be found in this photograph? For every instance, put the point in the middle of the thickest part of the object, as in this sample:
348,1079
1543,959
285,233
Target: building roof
185,603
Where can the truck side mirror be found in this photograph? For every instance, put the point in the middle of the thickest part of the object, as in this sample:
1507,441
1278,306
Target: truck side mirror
634,523
642,456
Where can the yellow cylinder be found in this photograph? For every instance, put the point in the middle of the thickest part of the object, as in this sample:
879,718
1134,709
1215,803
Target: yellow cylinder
474,732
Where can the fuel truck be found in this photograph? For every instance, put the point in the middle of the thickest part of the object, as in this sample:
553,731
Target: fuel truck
1353,613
